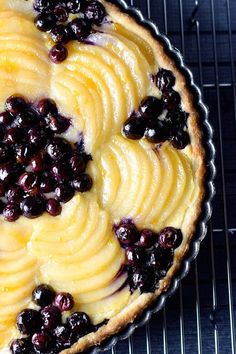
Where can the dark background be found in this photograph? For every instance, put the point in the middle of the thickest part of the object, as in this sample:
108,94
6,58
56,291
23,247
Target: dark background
201,316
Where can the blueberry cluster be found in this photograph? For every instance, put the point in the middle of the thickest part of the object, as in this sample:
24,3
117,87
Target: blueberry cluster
44,331
149,255
148,121
54,15
39,169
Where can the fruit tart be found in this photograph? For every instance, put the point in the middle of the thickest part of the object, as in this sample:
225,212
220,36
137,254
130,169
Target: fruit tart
102,172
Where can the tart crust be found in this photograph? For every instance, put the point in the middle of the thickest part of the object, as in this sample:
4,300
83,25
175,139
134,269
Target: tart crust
135,309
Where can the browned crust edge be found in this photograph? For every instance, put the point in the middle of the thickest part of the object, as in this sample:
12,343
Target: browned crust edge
135,309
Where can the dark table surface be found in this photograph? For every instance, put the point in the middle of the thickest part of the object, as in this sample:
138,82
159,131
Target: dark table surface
200,317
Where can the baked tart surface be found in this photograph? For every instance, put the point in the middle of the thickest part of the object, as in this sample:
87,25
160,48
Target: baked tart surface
101,173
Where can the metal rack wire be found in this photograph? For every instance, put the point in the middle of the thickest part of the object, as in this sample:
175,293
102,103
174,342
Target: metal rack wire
200,318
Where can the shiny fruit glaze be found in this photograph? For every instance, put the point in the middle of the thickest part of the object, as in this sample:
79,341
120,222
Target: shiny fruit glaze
77,251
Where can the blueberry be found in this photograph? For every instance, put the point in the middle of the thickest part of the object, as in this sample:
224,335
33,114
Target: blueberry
135,255
161,259
11,212
79,28
165,79
177,118
43,295
60,171
51,317
170,237
53,207
41,5
157,131
20,346
180,140
14,194
58,149
6,153
29,182
47,184
73,6
28,321
77,164
134,128
171,100
127,233
61,13
148,238
64,301
58,53
41,341
37,163
64,193
150,107
37,138
82,183
94,11
63,336
45,21
9,172
6,119
27,118
33,206
14,135
79,323
59,124
23,153
46,106
143,278
15,104
59,34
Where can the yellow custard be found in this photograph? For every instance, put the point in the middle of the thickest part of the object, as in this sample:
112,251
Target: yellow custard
98,86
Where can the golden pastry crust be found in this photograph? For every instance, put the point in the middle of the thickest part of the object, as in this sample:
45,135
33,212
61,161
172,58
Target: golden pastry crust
132,311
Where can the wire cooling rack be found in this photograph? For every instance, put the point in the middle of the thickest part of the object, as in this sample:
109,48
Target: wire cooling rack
200,317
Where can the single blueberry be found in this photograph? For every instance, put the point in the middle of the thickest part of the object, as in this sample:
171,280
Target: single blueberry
64,301
82,183
157,131
28,321
94,11
165,79
45,21
134,128
33,206
15,104
51,317
127,233
64,193
58,53
43,295
150,107
170,237
11,212
53,207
